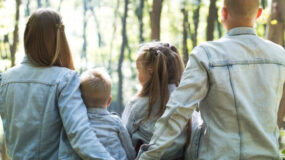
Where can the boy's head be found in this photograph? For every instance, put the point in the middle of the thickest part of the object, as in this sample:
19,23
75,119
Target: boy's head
240,13
95,86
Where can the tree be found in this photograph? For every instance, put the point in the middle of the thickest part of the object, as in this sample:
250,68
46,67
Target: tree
59,5
113,35
14,46
155,19
121,58
276,22
84,46
212,16
185,34
27,11
39,3
196,18
97,23
139,13
275,33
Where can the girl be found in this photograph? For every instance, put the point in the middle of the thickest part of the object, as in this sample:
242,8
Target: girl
41,97
159,72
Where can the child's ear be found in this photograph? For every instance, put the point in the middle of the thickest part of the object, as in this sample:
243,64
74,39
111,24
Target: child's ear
109,101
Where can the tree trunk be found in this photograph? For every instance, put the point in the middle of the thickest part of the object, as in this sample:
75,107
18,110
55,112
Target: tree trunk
97,23
155,19
219,27
276,22
139,13
84,46
121,59
113,35
39,3
27,11
47,4
14,46
211,20
59,5
185,33
275,33
196,17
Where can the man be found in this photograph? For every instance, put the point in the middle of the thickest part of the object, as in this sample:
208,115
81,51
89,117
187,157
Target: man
237,83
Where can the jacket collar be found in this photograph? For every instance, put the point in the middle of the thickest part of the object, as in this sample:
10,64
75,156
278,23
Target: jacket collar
26,59
241,31
100,111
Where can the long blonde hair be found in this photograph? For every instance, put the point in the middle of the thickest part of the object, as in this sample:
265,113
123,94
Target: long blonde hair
45,41
167,68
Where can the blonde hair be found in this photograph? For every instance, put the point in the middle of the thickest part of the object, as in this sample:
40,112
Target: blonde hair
167,68
95,86
45,41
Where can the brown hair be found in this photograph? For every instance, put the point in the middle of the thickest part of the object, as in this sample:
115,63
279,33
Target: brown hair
167,68
95,86
45,41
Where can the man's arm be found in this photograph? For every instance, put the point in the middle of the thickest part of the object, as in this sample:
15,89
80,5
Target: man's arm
281,110
183,101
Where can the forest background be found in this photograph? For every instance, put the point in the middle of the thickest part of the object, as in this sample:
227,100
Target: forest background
107,33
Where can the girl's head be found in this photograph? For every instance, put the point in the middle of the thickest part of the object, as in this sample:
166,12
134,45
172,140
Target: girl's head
159,65
45,41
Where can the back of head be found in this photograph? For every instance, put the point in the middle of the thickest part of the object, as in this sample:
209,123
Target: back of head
242,10
166,68
45,41
95,87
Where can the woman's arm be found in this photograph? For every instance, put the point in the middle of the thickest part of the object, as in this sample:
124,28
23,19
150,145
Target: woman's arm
75,121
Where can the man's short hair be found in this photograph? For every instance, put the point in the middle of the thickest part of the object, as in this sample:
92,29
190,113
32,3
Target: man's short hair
244,9
95,86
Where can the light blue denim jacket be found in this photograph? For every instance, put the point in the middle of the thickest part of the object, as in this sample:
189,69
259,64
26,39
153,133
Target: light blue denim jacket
141,130
36,104
237,83
111,133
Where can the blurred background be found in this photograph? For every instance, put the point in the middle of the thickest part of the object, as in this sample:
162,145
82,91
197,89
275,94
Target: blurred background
107,33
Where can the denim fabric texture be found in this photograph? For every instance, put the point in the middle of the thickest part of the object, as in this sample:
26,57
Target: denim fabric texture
111,133
237,83
141,130
36,105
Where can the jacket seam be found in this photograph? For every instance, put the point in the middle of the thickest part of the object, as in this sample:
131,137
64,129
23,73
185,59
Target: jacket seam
6,83
245,62
235,104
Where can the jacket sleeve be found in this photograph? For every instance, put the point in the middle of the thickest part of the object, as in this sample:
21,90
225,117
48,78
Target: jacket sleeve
75,121
182,103
126,142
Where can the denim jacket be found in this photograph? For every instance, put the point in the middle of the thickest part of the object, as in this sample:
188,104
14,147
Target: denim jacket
111,133
36,104
237,83
141,130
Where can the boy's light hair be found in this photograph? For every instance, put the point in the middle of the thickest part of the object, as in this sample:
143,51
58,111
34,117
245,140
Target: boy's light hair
95,86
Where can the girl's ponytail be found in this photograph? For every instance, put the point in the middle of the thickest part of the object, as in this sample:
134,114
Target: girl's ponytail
159,83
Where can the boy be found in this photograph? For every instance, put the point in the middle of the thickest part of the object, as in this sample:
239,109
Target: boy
237,82
96,93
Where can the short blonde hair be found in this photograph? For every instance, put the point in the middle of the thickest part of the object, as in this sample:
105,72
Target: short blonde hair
95,86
